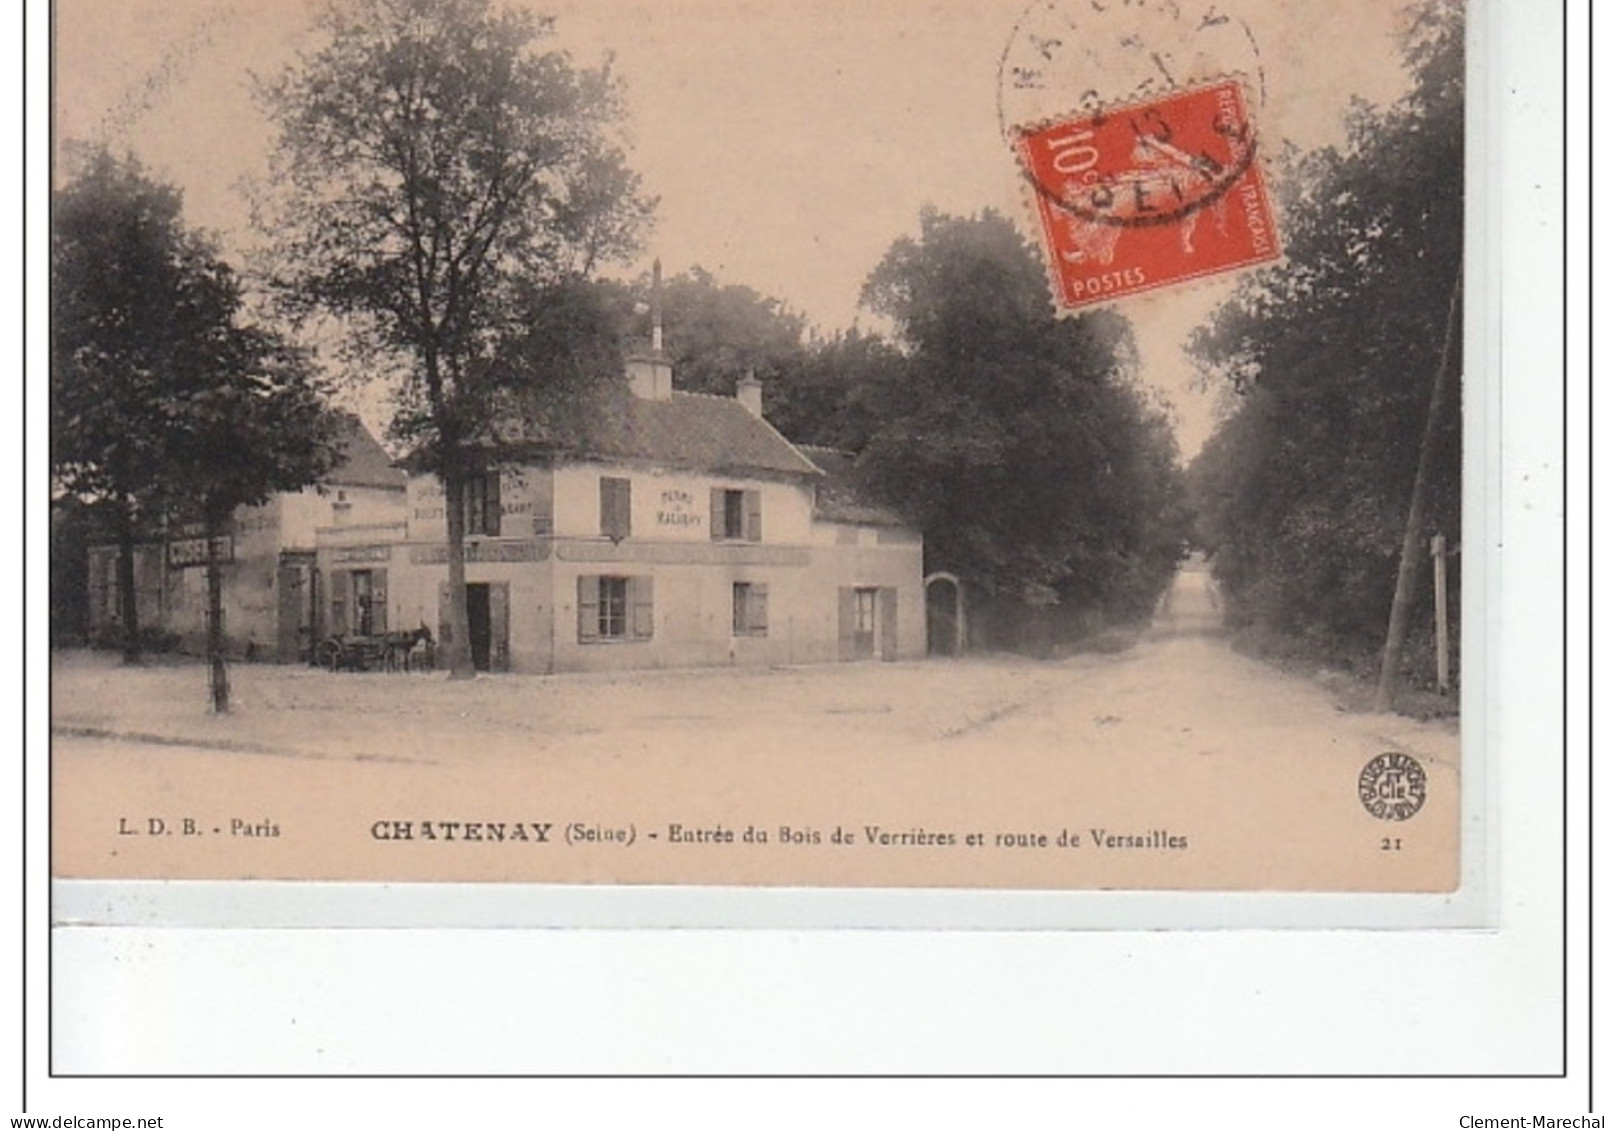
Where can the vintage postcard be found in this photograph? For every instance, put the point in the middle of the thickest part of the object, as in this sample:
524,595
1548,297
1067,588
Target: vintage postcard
979,447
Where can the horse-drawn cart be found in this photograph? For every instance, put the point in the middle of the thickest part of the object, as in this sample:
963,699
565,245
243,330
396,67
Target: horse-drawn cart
389,651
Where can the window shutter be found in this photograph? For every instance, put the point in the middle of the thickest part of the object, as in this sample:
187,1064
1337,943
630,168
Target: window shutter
378,601
846,620
642,606
499,625
616,508
757,614
490,505
541,489
341,594
716,525
888,623
588,608
754,516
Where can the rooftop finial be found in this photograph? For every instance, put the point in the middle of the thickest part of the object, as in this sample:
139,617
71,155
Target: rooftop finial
656,306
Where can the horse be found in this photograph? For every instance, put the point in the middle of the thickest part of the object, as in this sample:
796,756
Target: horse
409,651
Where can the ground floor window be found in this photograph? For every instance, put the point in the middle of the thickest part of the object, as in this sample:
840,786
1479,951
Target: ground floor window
868,622
864,617
613,616
750,609
615,608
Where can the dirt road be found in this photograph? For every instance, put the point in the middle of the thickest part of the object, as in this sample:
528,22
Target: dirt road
1175,764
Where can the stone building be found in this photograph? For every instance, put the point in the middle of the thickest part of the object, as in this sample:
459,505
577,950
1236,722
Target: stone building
271,592
684,531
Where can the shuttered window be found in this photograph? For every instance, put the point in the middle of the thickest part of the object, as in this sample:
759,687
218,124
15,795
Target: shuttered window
750,609
616,608
737,516
616,507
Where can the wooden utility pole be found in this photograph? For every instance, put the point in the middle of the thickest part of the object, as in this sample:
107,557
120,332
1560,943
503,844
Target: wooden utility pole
1438,559
1401,605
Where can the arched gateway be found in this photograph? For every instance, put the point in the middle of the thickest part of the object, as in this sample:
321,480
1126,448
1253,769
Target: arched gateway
944,623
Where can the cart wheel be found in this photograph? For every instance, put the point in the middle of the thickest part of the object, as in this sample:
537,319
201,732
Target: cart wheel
328,655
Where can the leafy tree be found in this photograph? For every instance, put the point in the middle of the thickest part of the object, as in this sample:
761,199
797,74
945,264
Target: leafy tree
438,173
716,333
1304,492
250,420
1021,443
163,403
832,395
117,261
132,294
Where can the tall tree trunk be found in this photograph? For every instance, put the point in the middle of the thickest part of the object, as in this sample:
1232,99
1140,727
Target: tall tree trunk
218,678
128,599
459,643
1413,534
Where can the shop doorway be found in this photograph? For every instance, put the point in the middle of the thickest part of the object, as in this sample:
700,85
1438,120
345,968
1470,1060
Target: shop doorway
487,614
479,623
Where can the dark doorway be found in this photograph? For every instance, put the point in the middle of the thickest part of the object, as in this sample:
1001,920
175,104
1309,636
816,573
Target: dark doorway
479,623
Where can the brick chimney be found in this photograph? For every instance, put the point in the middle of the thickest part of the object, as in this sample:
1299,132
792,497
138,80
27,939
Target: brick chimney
749,392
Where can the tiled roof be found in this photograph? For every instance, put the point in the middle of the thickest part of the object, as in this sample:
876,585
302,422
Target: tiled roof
838,497
691,430
364,463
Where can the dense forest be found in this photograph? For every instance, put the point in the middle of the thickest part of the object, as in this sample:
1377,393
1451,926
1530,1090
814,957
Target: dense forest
1345,368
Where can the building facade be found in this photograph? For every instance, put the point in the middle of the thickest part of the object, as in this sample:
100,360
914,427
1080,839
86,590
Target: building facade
271,597
686,531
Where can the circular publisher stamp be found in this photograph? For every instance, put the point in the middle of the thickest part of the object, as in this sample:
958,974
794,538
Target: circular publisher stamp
1391,787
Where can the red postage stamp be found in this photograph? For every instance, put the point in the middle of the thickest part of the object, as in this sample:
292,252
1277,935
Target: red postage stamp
1139,197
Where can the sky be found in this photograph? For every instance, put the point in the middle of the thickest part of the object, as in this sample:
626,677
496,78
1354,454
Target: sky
788,144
